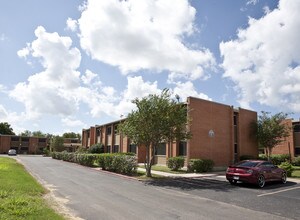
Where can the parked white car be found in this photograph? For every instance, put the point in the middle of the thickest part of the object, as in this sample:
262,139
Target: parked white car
12,152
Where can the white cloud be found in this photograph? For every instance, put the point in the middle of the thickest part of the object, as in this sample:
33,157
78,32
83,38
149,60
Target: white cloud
264,59
188,89
23,53
88,77
50,91
72,24
252,2
72,122
141,34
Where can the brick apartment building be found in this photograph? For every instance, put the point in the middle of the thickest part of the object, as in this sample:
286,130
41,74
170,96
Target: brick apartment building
23,145
33,145
291,144
220,132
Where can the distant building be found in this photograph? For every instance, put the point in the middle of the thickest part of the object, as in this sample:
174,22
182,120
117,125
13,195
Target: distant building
72,144
220,132
22,144
33,145
291,144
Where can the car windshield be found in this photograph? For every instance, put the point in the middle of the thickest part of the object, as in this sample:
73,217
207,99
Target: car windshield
247,164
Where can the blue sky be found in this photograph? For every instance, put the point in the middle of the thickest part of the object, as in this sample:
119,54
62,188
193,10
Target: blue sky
68,65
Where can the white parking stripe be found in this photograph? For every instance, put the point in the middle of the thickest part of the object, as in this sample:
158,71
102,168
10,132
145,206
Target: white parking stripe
279,191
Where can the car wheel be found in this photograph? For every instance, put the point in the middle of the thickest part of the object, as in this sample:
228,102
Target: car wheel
261,181
283,178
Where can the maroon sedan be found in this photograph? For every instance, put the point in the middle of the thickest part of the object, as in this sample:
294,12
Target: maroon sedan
256,172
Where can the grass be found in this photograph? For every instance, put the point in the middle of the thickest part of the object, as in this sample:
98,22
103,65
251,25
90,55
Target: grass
296,172
141,175
21,196
164,169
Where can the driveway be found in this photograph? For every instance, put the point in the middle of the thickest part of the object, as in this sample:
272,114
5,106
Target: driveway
93,194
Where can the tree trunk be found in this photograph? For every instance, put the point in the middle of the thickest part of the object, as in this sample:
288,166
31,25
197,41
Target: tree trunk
148,162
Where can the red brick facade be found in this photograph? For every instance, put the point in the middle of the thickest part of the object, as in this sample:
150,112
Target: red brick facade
291,144
23,145
220,133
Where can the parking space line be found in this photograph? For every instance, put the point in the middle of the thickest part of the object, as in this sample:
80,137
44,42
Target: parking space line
279,191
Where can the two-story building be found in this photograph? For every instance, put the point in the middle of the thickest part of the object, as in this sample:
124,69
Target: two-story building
219,132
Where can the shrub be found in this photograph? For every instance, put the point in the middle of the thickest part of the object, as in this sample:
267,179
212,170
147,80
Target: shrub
287,167
276,159
262,157
296,161
86,159
247,157
175,163
118,162
96,149
200,165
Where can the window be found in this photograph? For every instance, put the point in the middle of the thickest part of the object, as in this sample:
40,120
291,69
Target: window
108,149
297,128
161,149
132,148
115,149
88,134
25,139
182,148
297,150
74,141
116,129
108,130
98,132
15,139
42,140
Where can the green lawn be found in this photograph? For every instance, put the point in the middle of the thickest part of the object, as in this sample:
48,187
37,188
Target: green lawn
296,172
21,195
164,169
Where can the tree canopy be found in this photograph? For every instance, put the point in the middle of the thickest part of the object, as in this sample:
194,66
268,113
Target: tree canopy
28,133
6,129
72,135
158,119
57,143
271,130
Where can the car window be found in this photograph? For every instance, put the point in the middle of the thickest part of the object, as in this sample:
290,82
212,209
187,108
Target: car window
267,165
247,164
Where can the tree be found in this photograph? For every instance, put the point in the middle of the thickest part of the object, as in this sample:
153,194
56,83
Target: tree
72,135
6,129
57,143
26,133
38,134
157,119
271,130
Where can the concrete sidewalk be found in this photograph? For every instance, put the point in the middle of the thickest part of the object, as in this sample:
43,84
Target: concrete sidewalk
185,175
195,175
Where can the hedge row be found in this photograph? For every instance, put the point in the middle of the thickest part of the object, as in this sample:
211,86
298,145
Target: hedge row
125,163
119,162
200,165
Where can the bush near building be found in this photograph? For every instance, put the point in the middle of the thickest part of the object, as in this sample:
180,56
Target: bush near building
296,161
276,159
125,163
175,163
287,167
200,165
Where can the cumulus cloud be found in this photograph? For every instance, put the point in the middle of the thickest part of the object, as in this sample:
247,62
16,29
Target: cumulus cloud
139,34
72,122
188,89
49,91
72,24
264,59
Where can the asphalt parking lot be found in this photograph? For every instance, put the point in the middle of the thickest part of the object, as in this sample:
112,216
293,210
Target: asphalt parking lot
275,198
